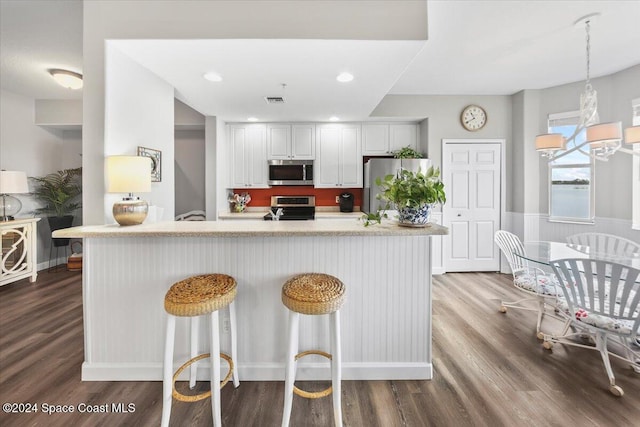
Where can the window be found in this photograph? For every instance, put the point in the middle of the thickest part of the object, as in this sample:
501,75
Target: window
571,189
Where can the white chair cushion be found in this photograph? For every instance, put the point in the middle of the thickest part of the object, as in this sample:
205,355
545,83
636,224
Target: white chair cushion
619,326
537,282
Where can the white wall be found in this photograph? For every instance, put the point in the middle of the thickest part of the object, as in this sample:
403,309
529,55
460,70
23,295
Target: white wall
443,114
138,112
36,150
104,20
190,170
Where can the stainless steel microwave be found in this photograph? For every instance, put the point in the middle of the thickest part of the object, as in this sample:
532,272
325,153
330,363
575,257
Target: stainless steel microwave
290,172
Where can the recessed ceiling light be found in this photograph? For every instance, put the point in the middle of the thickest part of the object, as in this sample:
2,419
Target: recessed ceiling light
66,78
213,77
344,77
252,119
334,118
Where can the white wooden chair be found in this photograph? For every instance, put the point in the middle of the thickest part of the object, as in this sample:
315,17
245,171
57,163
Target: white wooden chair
602,299
602,243
541,288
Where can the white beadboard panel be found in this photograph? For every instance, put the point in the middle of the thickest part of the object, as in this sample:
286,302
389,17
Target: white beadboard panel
437,259
386,329
538,227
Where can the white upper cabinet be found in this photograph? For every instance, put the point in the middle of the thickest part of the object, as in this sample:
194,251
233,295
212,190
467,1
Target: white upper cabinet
248,156
375,139
379,139
403,135
291,142
339,159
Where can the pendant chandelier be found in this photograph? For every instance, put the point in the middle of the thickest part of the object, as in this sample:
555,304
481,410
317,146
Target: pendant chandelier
604,139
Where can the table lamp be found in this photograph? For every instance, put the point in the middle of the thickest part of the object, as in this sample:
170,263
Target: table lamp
11,182
129,174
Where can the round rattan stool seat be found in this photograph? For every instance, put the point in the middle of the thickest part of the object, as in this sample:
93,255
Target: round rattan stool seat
199,295
313,293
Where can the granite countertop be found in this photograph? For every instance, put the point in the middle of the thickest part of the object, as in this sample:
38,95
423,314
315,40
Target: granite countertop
259,214
249,229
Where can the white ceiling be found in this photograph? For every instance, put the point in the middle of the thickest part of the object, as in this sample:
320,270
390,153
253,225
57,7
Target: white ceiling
474,47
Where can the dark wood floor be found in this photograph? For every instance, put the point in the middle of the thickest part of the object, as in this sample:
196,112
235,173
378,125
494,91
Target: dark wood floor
489,370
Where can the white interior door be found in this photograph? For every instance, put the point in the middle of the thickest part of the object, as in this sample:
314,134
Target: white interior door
472,174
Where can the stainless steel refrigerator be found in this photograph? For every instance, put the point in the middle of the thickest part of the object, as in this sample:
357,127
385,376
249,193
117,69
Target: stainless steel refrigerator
375,168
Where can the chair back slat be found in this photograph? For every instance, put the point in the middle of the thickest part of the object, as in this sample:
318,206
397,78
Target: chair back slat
602,287
510,245
602,243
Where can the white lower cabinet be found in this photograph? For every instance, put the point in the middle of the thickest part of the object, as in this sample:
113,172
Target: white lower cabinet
338,156
248,156
19,250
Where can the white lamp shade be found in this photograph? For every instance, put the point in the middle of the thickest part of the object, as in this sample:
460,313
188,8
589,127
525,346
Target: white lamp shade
632,135
13,182
604,132
550,141
128,174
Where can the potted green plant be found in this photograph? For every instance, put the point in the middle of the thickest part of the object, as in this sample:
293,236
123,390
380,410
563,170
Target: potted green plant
407,153
58,195
412,194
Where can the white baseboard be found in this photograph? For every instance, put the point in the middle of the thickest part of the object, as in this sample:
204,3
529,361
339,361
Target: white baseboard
262,372
59,262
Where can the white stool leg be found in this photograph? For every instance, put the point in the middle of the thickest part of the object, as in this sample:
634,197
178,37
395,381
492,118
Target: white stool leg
167,377
336,367
215,370
195,331
290,372
234,344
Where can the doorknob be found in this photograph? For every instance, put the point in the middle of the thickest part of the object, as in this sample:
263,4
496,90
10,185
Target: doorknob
459,214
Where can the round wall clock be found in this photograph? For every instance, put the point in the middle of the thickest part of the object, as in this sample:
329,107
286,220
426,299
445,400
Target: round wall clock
473,117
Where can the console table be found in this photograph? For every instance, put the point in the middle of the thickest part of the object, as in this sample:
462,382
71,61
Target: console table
19,250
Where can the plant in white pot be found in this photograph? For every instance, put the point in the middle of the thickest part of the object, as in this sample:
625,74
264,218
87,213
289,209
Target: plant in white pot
412,194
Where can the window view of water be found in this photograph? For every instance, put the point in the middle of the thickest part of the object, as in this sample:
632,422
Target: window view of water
570,201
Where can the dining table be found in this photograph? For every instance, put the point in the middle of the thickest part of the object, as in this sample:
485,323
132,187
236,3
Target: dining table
543,252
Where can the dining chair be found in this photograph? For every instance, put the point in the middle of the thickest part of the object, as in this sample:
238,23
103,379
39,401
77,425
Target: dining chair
603,243
601,299
540,287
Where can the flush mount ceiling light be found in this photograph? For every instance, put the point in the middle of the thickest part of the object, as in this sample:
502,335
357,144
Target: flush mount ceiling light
212,77
334,118
67,78
604,139
344,77
252,119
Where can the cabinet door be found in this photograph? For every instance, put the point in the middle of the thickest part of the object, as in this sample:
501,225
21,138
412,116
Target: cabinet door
238,142
327,166
402,136
303,141
350,157
256,161
279,141
375,139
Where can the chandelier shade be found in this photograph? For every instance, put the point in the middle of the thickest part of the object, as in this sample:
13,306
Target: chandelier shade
550,142
632,135
603,139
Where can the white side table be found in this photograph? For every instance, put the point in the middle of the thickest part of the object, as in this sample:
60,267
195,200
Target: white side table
19,250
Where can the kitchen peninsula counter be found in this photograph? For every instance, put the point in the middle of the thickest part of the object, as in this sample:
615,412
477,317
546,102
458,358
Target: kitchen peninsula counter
351,227
386,319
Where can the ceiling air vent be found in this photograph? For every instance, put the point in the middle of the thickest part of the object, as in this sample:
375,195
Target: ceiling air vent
274,99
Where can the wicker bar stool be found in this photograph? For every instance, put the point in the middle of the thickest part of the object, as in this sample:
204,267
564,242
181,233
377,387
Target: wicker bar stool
314,294
194,297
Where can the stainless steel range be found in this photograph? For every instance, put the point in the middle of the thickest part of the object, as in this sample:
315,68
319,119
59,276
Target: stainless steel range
291,208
